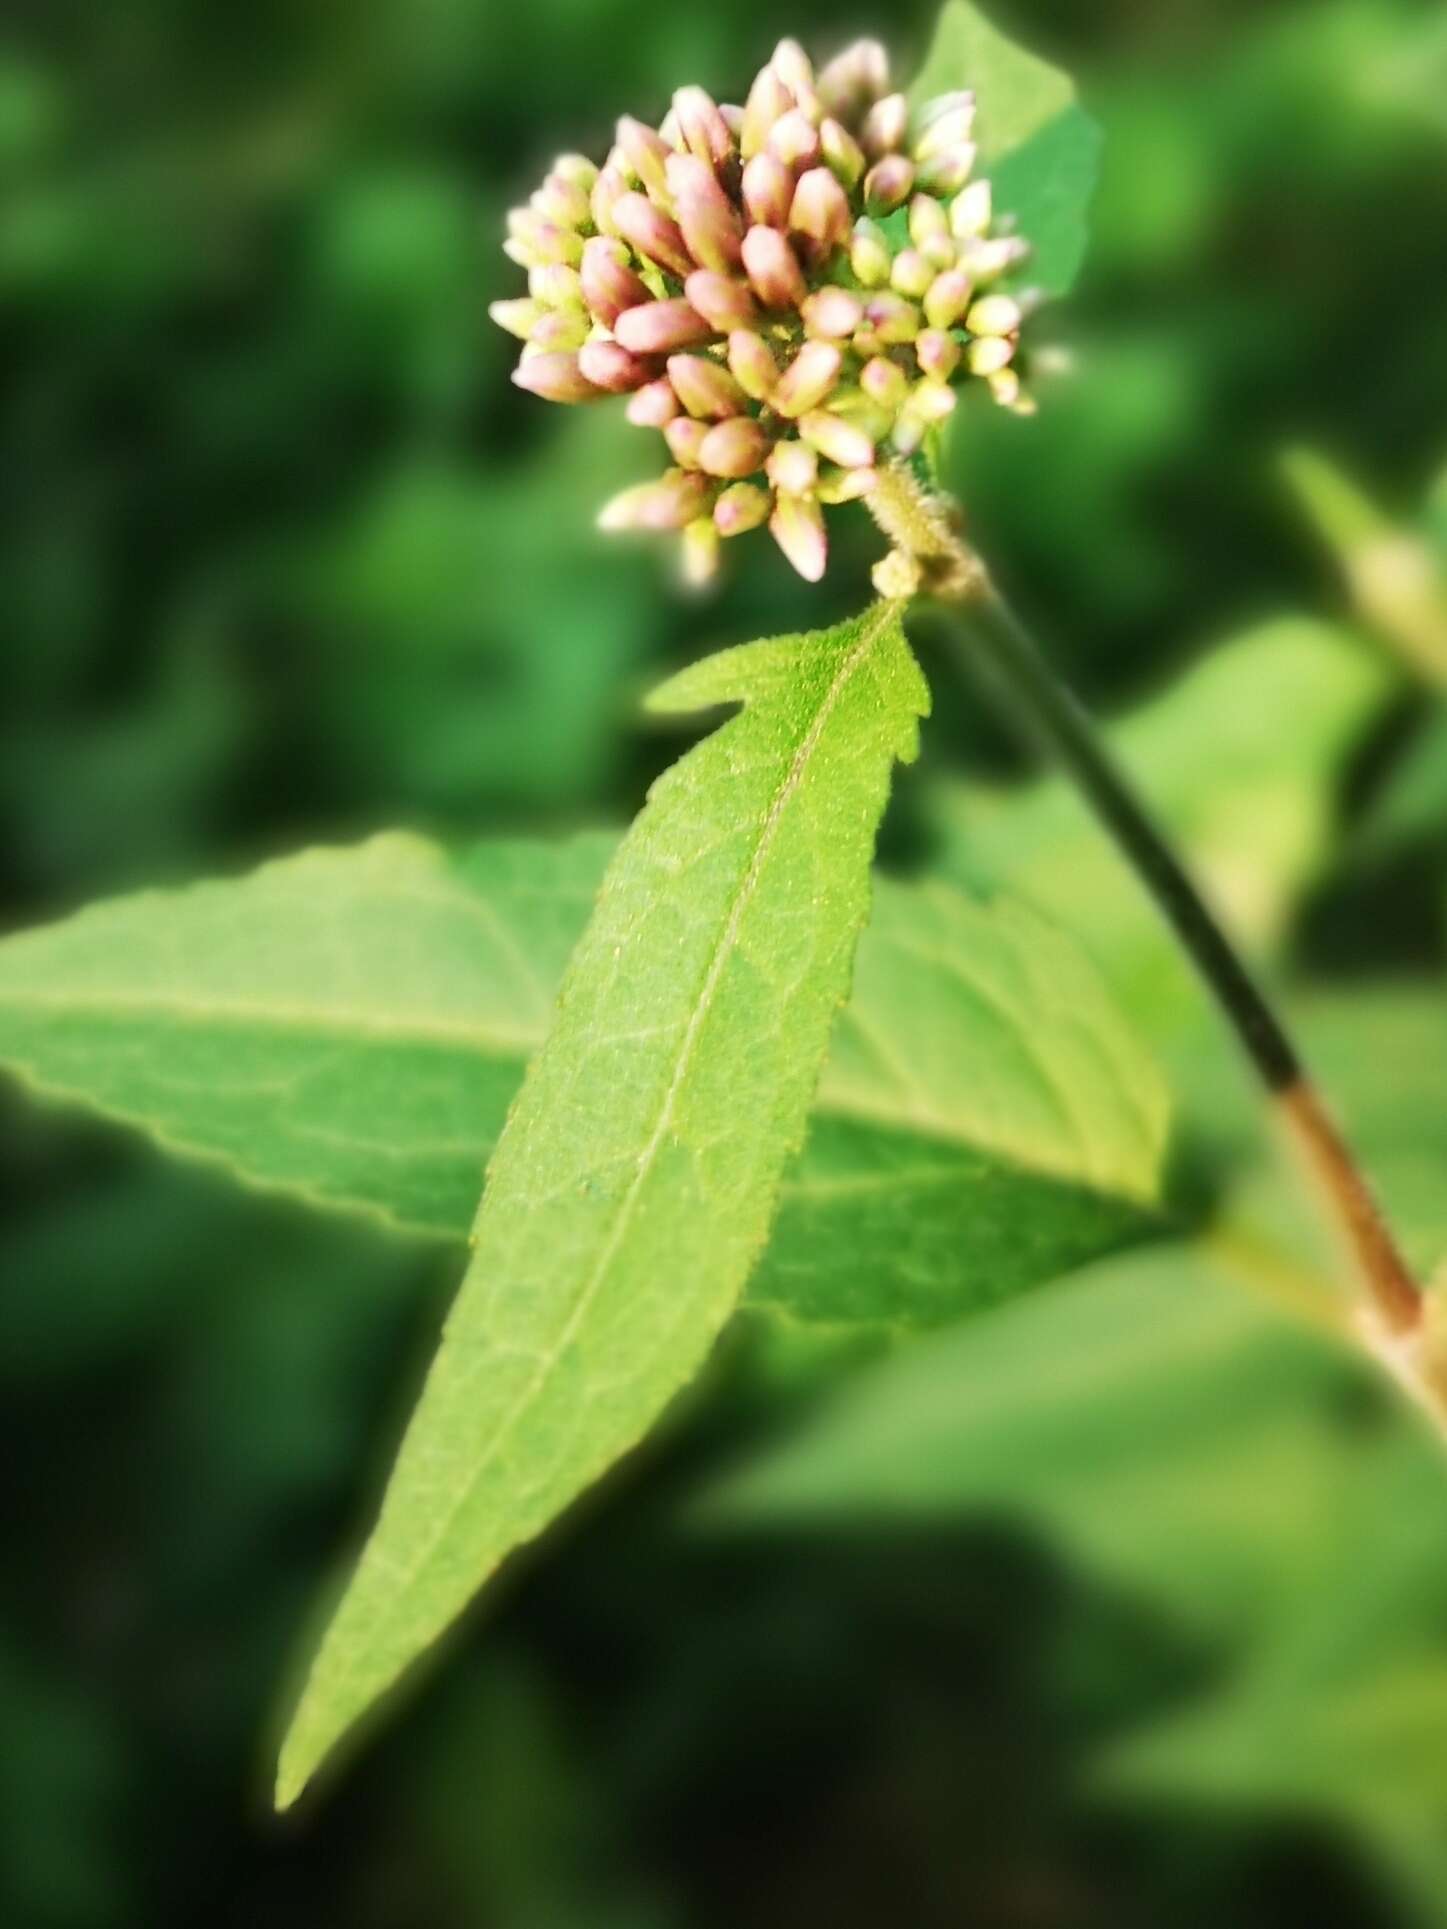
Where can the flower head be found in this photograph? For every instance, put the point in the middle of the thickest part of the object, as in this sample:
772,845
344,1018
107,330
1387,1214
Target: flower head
790,292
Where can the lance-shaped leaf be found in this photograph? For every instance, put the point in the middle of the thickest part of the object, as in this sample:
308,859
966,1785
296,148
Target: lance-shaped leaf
633,1186
1039,147
351,1026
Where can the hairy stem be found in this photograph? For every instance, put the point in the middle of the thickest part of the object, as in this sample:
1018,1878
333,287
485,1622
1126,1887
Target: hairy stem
926,532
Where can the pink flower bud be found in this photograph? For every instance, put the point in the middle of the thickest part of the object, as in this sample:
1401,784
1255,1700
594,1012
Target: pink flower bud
911,273
767,188
711,227
888,184
556,285
660,326
555,377
733,448
884,126
884,382
837,440
704,387
937,352
703,128
854,79
842,154
685,438
752,364
645,156
769,100
773,269
793,66
608,190
820,210
672,502
892,318
808,378
561,328
792,467
609,285
947,298
947,171
797,526
724,303
740,508
794,140
653,405
651,232
609,365
517,317
833,313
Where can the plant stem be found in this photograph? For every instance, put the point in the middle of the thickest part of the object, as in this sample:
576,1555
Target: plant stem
1053,714
926,531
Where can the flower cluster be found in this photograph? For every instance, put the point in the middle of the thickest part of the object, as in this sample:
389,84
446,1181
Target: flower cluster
789,291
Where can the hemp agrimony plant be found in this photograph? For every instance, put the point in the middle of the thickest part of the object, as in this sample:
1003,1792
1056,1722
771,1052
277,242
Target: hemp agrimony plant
724,1105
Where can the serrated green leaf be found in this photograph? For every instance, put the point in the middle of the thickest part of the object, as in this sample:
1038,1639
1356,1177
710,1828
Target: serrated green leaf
1037,144
351,1025
634,1183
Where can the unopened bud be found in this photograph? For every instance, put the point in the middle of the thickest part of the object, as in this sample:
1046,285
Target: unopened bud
752,364
556,285
845,485
740,508
672,502
704,387
645,155
576,169
609,365
854,79
937,352
661,326
940,251
793,66
653,405
832,313
840,441
927,218
724,303
608,284
562,202
608,190
994,256
769,100
940,108
892,318
911,274
932,401
794,140
808,378
987,354
888,184
560,328
947,172
792,467
971,211
869,254
860,409
841,153
773,269
797,525
884,382
734,448
820,210
685,438
704,129
651,232
947,298
994,315
767,188
705,215
945,129
555,377
1004,386
517,317
698,553
884,126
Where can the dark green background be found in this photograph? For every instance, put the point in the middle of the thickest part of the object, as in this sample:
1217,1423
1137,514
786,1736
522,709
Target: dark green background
284,557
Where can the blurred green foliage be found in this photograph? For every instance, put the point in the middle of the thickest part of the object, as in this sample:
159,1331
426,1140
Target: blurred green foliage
285,558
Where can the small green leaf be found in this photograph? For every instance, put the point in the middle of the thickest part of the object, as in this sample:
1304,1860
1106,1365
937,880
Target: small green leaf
633,1186
1039,147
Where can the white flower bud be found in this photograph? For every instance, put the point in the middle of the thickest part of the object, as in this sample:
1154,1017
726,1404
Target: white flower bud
741,508
555,377
752,364
808,378
840,441
704,387
884,126
797,526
